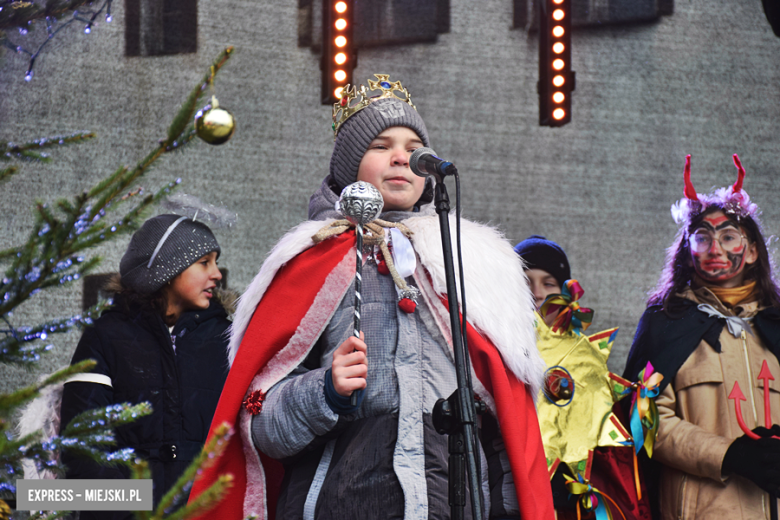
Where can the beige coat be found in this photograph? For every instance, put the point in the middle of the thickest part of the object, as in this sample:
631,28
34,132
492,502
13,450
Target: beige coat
698,423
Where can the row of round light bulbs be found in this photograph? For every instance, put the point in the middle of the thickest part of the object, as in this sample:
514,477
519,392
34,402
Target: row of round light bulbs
558,47
558,64
341,57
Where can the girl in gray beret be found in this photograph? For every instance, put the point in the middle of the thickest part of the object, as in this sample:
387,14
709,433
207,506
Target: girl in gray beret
163,342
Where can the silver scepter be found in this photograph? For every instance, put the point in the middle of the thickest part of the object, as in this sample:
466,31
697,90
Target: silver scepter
360,203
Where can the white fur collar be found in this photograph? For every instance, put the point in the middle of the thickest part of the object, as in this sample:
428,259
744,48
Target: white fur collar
296,241
500,305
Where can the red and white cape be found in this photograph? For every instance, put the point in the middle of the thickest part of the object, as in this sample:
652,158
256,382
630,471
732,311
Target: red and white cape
289,304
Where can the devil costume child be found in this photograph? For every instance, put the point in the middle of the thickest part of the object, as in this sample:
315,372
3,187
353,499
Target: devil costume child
302,452
704,339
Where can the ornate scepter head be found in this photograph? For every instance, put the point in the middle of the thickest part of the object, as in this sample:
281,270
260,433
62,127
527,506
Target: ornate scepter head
360,203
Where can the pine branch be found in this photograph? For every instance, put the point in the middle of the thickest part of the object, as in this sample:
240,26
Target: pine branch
106,418
13,347
49,515
107,182
187,110
210,453
6,173
28,393
29,150
206,501
90,435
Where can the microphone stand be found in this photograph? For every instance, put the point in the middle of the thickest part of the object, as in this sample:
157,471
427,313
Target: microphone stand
457,414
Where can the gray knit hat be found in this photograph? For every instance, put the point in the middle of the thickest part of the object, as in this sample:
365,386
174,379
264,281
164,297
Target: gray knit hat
357,132
162,249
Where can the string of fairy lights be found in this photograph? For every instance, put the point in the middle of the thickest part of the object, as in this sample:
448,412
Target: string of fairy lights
53,27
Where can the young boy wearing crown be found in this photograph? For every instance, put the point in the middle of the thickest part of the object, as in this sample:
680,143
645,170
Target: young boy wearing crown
712,329
302,450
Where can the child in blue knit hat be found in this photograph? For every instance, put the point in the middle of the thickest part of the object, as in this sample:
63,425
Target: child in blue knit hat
547,269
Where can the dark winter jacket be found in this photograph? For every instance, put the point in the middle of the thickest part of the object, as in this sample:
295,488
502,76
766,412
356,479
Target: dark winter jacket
133,346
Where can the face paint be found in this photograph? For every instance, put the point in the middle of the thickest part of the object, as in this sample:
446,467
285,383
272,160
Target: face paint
716,221
716,265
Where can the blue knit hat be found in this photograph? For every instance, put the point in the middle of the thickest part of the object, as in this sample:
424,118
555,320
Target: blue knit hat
540,253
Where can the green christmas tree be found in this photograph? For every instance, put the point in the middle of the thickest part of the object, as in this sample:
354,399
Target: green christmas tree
56,254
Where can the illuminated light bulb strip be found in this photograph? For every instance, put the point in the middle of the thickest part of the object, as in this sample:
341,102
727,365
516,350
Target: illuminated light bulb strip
556,80
341,41
559,64
338,50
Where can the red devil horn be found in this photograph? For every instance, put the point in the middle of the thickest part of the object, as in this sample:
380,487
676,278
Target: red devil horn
689,192
741,176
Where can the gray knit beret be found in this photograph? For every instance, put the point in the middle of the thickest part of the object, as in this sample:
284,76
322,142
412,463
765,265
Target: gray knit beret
172,243
357,132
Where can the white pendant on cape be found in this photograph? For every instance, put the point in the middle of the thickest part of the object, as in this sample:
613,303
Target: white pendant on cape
405,261
403,253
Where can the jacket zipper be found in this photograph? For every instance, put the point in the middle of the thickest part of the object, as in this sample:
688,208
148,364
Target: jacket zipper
752,400
750,378
681,500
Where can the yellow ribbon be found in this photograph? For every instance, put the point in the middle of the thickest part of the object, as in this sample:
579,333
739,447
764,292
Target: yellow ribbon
586,491
650,386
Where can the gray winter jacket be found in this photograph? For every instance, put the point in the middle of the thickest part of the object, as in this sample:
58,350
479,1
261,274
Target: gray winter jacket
386,460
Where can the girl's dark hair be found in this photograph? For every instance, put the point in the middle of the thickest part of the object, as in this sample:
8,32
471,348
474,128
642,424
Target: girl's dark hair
157,301
678,270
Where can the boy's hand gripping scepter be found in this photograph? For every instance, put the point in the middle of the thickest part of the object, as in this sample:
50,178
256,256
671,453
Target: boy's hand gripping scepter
360,203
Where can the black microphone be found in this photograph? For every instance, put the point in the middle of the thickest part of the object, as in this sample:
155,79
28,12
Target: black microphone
424,162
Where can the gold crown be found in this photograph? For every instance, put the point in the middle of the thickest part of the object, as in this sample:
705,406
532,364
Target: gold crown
354,99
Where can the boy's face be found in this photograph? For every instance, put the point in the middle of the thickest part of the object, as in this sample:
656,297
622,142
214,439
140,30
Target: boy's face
720,252
542,285
386,166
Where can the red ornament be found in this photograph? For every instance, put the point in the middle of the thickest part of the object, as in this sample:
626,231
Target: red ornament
558,384
343,101
381,265
407,305
254,402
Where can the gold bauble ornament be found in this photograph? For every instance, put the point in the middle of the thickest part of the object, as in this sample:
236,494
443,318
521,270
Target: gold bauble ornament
214,124
5,510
